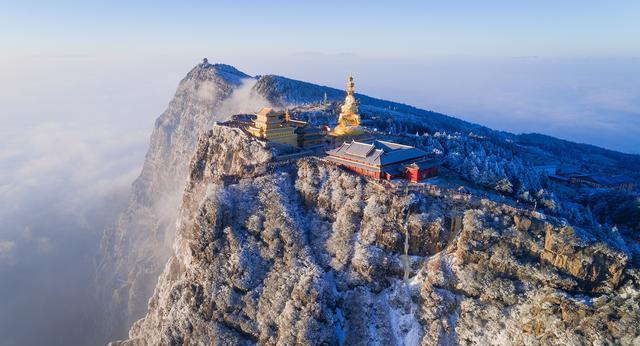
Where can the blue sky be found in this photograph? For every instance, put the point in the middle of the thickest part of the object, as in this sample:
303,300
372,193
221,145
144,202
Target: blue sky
558,67
377,29
81,84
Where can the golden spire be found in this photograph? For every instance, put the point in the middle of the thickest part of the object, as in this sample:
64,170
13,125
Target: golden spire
349,120
287,118
350,85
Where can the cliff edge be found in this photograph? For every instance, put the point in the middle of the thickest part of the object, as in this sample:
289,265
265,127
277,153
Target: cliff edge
302,252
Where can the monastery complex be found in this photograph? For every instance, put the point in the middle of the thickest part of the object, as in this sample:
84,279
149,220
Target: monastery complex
384,160
372,158
277,126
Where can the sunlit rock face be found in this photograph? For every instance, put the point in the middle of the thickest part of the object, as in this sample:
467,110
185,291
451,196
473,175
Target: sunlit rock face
305,253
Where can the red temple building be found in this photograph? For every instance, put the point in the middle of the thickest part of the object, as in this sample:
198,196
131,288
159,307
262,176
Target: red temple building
384,160
418,171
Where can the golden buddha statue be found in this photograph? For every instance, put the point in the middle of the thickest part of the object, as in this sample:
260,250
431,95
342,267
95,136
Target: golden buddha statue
349,120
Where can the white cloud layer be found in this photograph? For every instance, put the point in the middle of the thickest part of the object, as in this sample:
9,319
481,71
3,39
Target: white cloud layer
74,132
61,184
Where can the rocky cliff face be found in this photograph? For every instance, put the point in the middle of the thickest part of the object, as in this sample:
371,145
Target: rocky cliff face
134,251
305,253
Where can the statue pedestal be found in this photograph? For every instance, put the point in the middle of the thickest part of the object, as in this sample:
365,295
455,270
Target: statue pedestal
358,135
342,130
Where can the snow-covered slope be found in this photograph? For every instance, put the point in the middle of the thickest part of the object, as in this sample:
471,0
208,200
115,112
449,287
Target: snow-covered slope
305,253
283,91
134,251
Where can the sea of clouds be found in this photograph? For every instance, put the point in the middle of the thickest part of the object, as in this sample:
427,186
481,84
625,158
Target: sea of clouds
73,138
75,130
61,185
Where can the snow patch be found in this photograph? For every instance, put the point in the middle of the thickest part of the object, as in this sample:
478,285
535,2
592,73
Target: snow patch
402,311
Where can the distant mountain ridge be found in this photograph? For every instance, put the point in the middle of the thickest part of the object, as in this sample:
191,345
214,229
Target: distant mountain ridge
565,147
282,91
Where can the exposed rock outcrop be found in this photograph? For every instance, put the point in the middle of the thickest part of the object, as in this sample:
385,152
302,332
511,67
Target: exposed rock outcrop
306,253
134,251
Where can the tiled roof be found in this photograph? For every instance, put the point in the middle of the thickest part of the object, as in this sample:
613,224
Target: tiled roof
309,130
378,153
400,155
265,111
388,146
298,123
339,160
425,164
359,149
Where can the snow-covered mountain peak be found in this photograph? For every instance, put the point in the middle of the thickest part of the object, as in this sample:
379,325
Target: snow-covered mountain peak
221,73
257,250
